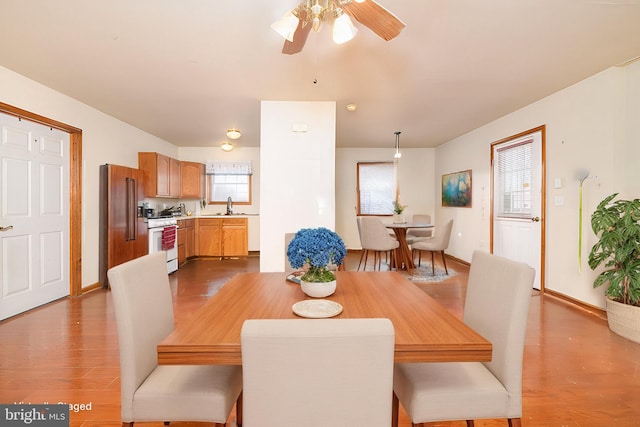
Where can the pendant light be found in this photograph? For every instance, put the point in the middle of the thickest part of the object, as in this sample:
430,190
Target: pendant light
398,154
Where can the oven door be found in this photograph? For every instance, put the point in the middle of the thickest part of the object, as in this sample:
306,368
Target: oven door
155,245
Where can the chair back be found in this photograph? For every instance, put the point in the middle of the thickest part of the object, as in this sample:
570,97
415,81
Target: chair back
288,237
317,372
442,237
144,316
497,306
374,235
420,232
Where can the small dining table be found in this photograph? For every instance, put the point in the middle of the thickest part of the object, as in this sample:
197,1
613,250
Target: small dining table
425,331
403,253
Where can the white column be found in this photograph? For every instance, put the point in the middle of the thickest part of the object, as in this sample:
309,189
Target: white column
297,173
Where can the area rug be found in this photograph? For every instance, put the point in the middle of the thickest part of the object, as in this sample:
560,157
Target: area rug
423,274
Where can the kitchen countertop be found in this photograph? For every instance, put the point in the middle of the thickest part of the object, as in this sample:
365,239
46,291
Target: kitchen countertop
216,215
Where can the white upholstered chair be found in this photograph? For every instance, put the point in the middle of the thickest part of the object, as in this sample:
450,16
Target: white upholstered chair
437,243
151,392
317,372
496,306
375,237
417,234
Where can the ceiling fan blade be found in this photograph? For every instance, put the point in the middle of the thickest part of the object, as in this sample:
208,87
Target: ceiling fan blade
375,17
299,37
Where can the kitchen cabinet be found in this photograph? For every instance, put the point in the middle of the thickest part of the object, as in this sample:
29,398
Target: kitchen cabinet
161,173
234,237
209,237
191,180
223,237
186,239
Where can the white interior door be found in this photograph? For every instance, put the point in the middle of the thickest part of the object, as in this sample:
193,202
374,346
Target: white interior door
518,199
34,215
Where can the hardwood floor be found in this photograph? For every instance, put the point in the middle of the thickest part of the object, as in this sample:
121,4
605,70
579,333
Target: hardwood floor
576,372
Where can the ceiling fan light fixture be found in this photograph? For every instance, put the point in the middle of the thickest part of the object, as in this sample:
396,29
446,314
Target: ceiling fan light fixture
317,8
343,29
312,14
226,146
233,133
286,26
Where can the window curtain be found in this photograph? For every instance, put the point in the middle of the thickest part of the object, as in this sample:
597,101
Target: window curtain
228,168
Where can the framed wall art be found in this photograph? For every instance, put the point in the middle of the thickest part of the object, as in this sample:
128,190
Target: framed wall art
456,189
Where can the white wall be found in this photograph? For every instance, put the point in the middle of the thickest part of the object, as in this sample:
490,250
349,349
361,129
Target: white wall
591,125
629,180
297,173
415,175
104,140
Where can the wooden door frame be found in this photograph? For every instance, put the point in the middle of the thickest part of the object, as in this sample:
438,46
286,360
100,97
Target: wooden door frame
75,190
543,196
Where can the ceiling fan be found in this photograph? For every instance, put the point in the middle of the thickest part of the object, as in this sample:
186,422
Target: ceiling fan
296,24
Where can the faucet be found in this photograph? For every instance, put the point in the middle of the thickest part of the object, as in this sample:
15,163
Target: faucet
229,206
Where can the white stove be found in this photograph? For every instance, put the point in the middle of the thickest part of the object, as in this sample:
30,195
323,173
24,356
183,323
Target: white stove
163,236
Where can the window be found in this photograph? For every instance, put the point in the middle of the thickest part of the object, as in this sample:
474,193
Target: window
513,180
376,188
229,179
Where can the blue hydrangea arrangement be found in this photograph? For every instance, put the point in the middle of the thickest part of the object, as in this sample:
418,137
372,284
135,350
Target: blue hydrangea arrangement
317,247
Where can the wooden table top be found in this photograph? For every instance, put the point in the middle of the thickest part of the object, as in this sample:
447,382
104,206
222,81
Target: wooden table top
425,331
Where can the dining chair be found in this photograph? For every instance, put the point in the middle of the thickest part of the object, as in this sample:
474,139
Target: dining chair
317,372
375,237
437,243
416,234
150,392
496,306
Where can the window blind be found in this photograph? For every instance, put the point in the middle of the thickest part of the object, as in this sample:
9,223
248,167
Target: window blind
375,188
512,188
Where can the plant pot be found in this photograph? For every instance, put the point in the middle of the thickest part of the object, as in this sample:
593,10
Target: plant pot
398,218
624,320
318,289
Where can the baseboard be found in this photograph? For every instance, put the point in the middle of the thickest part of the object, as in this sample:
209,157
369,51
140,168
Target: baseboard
458,260
602,313
90,288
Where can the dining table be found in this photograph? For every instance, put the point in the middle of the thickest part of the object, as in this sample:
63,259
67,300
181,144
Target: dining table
403,252
425,331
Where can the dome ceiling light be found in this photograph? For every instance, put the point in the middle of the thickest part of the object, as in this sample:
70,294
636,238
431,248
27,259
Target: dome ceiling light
233,133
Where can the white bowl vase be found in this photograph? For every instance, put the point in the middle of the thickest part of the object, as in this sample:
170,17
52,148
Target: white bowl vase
318,289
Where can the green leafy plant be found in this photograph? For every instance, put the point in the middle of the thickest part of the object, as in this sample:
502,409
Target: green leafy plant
618,248
397,207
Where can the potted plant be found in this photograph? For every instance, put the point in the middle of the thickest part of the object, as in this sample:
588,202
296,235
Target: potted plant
398,208
616,223
318,249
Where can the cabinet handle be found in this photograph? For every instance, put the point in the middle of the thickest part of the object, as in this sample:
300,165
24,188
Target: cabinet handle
7,228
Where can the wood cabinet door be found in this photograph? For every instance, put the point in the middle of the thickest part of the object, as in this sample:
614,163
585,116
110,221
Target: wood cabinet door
190,238
182,233
209,237
163,165
175,187
234,237
191,173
